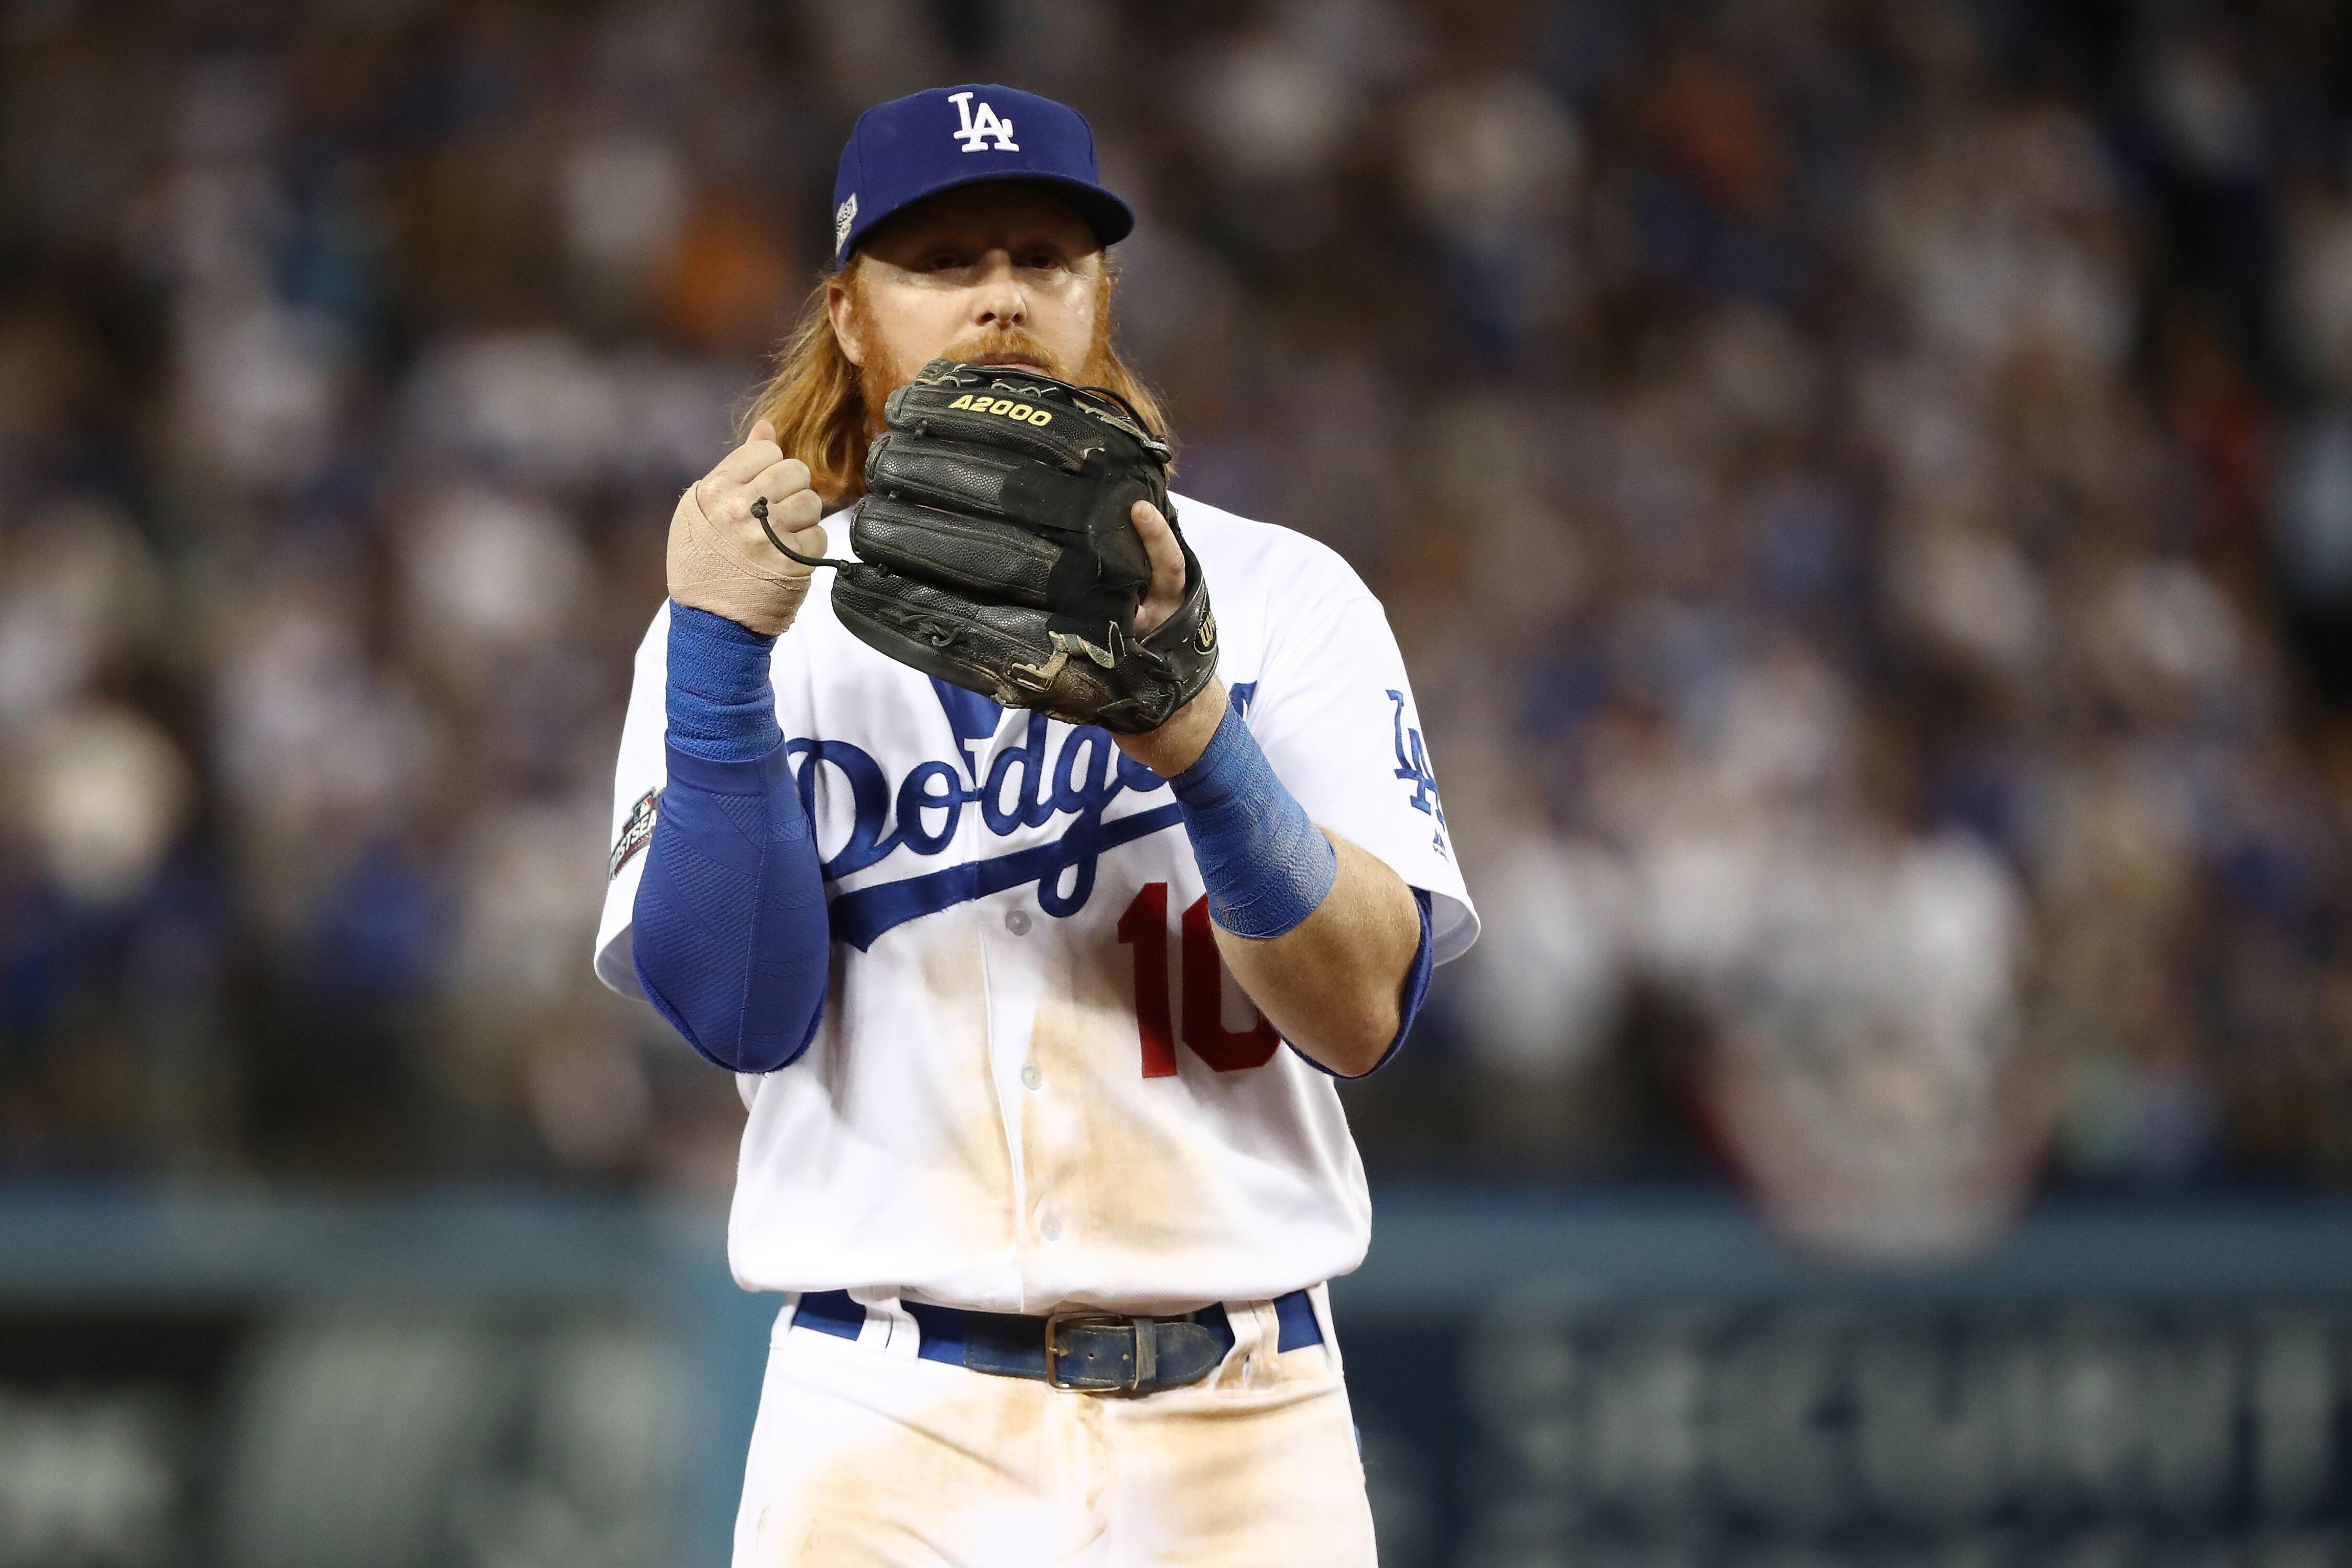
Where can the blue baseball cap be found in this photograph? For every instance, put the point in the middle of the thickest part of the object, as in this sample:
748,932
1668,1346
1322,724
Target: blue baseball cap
909,148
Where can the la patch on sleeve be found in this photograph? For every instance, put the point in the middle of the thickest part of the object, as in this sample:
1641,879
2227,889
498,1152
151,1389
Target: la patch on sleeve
635,833
1412,767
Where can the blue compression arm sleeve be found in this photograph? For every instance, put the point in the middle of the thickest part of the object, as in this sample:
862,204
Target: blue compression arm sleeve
729,938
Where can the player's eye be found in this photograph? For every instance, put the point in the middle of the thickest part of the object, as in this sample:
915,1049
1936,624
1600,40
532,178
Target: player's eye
948,260
1042,260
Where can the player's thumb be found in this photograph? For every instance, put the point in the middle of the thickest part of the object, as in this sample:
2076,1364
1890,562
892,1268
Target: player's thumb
1167,558
765,430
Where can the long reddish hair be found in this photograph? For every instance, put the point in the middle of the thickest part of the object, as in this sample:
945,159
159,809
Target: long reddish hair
816,399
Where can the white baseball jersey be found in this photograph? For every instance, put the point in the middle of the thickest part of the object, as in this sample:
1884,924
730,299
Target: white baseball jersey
1033,1084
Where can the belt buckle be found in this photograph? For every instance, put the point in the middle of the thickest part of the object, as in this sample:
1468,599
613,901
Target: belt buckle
1054,1352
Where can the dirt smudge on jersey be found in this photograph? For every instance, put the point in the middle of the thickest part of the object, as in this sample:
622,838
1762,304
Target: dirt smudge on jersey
1115,1169
941,1125
971,1172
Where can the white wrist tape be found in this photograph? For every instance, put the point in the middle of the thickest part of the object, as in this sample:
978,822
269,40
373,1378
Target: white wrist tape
710,571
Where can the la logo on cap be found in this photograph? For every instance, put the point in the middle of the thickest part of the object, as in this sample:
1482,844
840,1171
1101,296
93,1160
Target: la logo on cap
976,129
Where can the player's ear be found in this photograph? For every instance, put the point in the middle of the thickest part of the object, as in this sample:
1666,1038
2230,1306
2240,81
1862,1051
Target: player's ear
841,309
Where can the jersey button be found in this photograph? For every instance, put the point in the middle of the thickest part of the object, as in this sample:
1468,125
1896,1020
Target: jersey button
1017,922
1030,1076
1052,1228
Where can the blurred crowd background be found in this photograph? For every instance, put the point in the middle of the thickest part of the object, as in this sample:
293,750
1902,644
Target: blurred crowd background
1865,488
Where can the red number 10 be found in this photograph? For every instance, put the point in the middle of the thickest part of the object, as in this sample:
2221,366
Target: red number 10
1144,927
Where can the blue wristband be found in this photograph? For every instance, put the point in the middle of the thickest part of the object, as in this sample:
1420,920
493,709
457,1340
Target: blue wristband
1266,865
721,706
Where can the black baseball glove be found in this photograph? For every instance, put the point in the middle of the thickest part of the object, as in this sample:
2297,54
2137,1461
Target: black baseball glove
995,549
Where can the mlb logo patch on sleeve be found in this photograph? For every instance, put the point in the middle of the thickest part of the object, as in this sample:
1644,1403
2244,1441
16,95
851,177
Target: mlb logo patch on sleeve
635,833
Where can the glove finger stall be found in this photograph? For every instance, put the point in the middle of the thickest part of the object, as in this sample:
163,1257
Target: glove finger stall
977,554
961,475
1105,571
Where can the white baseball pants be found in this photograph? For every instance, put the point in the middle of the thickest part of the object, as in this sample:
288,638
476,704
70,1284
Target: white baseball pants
866,1457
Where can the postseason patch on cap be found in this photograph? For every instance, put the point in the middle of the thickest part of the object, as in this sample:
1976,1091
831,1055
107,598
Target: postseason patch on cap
635,833
843,216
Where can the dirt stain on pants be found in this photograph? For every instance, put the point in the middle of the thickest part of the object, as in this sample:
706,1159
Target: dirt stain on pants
866,1457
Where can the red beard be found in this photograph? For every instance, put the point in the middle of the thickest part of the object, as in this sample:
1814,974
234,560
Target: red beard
987,342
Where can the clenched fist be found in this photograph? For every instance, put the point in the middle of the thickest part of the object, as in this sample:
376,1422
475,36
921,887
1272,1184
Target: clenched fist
720,560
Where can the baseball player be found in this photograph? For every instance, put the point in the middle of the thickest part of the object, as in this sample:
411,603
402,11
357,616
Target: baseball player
1037,880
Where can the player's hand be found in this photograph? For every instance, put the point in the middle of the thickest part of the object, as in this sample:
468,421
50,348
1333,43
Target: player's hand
1177,745
1167,558
719,558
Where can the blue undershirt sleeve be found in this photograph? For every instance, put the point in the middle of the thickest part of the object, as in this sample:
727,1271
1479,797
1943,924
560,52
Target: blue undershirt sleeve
729,932
1416,991
1416,980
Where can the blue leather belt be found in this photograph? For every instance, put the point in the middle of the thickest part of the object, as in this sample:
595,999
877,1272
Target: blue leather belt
1103,1353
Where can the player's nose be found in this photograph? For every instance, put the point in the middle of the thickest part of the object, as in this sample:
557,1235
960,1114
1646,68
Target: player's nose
1000,299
